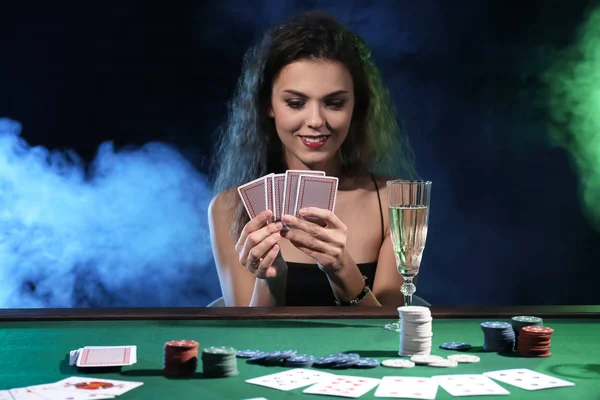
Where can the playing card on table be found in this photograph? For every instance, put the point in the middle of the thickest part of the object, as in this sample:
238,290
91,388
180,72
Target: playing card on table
278,186
254,196
291,379
5,395
343,386
407,387
527,379
469,385
107,356
316,191
290,188
24,394
51,392
98,386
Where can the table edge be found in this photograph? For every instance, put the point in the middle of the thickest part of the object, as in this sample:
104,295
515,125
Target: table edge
185,313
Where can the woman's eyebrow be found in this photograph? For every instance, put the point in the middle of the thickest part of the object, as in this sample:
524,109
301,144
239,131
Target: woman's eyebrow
300,94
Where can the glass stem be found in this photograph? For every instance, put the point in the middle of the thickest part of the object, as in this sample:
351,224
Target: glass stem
408,289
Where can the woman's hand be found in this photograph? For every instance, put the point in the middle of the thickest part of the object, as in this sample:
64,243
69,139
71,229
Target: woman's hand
324,241
258,249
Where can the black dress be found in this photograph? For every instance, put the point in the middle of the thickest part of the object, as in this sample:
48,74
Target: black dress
307,285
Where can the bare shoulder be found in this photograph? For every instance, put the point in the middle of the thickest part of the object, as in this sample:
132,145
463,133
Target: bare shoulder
222,207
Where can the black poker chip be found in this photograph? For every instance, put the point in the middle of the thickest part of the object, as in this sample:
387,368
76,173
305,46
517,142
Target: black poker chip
455,346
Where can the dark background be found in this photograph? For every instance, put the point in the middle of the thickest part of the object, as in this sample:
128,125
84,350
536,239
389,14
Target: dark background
507,224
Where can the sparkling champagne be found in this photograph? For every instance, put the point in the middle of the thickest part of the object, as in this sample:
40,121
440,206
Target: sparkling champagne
408,227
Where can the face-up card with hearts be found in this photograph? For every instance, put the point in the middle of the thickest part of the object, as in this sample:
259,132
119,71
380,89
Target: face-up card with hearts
290,188
254,196
291,379
95,385
278,186
107,356
343,386
527,379
316,191
407,387
469,385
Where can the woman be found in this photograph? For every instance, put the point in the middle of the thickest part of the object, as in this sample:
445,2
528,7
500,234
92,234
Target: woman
309,98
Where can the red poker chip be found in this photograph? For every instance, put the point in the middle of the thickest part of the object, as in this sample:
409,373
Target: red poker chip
534,329
182,344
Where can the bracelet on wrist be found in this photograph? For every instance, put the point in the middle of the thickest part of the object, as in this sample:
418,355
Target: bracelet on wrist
356,301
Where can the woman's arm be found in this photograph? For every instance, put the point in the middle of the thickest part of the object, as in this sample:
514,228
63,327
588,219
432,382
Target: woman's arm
240,286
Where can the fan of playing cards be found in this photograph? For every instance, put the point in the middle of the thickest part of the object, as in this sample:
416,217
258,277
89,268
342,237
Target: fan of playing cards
289,193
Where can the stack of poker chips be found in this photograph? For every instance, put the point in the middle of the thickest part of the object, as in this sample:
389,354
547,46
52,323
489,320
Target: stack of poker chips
415,330
534,341
344,361
180,358
266,357
521,321
299,361
219,362
498,336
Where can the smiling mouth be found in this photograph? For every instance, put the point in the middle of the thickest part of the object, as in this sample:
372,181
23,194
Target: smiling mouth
314,139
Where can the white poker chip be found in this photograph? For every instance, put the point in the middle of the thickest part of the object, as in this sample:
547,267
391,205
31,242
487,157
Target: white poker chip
464,358
398,363
443,364
414,310
426,359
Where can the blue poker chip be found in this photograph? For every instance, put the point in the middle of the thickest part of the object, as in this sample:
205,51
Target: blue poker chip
299,360
455,346
496,325
247,353
366,363
326,361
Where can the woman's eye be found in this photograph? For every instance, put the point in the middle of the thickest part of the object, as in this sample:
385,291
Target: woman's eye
295,104
336,104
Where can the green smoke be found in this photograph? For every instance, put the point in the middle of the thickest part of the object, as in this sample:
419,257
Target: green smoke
573,83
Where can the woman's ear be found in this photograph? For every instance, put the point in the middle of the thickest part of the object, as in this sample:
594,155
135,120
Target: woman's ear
271,113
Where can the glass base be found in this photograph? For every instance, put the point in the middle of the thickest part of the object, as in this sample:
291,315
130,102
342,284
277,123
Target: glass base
392,326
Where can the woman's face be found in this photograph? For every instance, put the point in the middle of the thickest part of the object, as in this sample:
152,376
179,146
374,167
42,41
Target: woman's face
312,104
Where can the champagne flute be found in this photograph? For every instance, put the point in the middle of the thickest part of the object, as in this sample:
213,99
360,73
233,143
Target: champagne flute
408,206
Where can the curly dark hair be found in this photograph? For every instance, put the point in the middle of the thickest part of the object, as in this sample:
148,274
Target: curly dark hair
248,146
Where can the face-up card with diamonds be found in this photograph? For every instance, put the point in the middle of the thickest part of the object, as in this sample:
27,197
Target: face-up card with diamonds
290,188
469,385
407,387
291,379
343,386
254,196
527,379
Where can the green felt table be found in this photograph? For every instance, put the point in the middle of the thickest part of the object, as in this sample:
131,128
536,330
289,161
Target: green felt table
35,346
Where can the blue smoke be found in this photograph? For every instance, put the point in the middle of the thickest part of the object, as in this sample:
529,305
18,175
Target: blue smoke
127,230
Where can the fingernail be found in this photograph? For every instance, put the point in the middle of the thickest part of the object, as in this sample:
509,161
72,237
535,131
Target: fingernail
286,218
303,211
276,236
